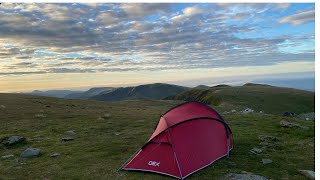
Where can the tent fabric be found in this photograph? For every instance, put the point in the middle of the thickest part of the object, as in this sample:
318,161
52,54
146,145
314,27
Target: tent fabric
187,138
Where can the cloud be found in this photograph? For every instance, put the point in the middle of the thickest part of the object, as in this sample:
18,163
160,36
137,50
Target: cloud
139,10
300,18
282,6
81,38
15,51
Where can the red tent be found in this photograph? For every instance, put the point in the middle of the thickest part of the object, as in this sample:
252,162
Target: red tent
187,138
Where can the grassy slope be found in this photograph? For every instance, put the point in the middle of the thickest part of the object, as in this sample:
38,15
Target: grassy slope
98,152
147,91
270,99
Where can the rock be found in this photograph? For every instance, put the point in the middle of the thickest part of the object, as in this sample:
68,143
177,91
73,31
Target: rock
233,110
117,133
261,112
106,116
7,156
268,138
256,150
54,154
71,132
287,124
308,173
30,152
67,139
266,161
2,106
248,110
100,119
13,140
247,176
289,114
307,116
40,116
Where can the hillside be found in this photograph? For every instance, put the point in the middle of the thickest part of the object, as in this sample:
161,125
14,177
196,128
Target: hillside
108,133
90,93
259,97
148,91
54,93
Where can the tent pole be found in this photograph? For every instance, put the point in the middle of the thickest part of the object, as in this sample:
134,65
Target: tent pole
128,159
175,156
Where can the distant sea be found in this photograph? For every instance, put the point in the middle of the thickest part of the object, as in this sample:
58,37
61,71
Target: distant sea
304,81
304,84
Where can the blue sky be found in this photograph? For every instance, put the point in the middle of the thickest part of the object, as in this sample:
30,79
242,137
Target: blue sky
76,45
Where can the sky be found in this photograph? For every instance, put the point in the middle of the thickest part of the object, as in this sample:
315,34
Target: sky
73,46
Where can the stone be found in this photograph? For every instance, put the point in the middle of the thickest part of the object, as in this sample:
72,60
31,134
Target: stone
30,152
233,110
289,114
40,116
248,110
106,116
54,154
268,138
7,156
2,106
287,124
307,116
100,119
67,139
71,132
247,176
266,161
256,150
117,133
309,174
13,140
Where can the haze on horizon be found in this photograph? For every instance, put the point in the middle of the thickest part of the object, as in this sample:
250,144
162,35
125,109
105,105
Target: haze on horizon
58,46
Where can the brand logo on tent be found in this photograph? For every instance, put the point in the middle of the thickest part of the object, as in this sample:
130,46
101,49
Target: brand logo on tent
154,163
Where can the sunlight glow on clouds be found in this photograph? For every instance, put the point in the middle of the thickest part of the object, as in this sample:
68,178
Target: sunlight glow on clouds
90,40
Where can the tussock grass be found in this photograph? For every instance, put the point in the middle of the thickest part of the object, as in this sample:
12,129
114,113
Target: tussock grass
101,146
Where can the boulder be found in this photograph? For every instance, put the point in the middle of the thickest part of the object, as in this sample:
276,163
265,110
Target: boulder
13,140
248,176
266,161
30,152
309,174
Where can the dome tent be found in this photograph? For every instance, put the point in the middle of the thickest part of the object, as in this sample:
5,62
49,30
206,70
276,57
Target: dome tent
187,138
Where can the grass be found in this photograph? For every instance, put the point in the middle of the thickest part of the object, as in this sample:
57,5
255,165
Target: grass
270,99
101,145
